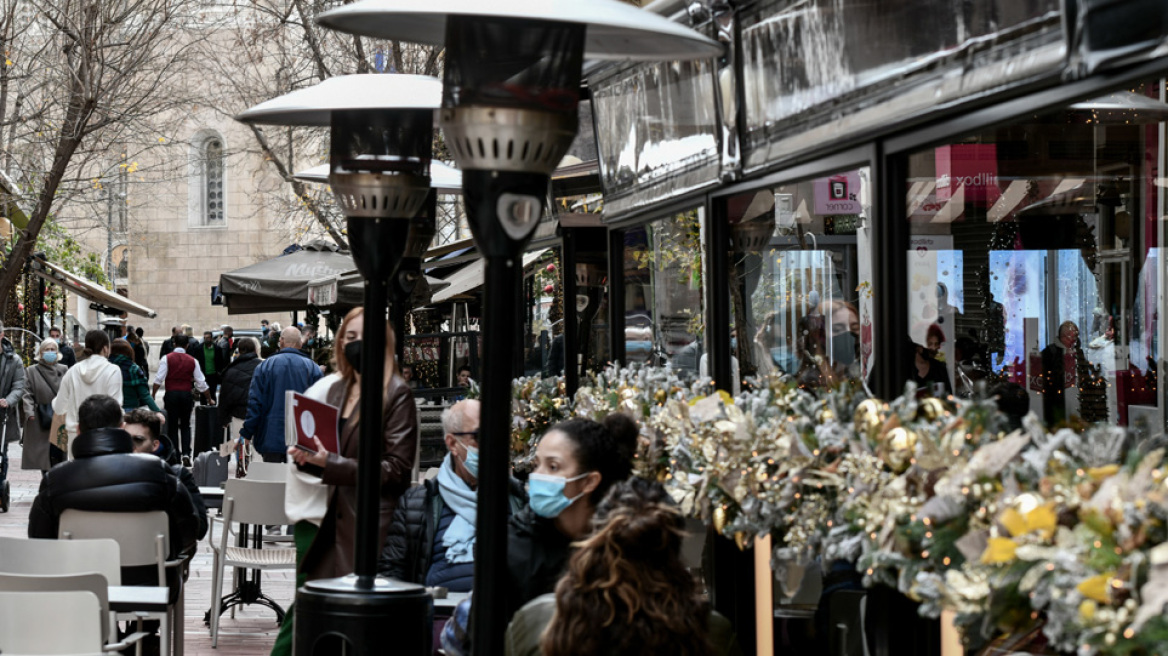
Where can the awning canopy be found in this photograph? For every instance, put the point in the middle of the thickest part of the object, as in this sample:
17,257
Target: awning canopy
471,277
339,290
102,299
281,284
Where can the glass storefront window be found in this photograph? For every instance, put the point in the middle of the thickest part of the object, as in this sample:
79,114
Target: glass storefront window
800,280
663,292
1034,262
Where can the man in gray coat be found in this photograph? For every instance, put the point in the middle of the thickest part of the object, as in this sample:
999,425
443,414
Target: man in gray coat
11,391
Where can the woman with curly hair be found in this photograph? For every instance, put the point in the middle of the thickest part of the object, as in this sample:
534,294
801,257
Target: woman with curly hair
626,591
576,462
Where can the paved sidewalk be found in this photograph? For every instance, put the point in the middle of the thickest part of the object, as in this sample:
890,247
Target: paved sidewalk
250,633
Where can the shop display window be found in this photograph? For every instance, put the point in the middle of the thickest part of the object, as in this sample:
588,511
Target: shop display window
1034,264
800,291
663,293
800,55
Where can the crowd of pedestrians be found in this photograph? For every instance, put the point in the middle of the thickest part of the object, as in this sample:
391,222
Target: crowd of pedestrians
593,553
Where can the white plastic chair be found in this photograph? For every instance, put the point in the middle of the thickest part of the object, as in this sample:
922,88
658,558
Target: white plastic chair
143,540
257,503
31,556
90,582
267,471
50,623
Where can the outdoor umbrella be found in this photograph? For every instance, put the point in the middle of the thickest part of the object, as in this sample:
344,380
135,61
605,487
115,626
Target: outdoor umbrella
281,283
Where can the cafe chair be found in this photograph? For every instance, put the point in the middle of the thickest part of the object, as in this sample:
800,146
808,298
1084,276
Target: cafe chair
267,471
32,556
90,582
143,540
253,504
50,623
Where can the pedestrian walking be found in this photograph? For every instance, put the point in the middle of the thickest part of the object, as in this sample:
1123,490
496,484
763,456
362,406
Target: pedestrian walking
288,369
92,375
11,395
42,379
182,378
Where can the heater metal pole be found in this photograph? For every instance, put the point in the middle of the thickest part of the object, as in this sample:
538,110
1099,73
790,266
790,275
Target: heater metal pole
490,570
370,447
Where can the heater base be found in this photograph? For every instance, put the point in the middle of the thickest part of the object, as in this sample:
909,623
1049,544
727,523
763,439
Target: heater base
334,616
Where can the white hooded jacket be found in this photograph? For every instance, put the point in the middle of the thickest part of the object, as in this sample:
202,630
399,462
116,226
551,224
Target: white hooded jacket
93,375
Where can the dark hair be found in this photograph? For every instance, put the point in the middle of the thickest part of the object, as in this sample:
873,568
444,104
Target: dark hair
56,328
464,368
139,332
122,347
145,417
95,342
606,447
937,332
246,345
98,411
626,590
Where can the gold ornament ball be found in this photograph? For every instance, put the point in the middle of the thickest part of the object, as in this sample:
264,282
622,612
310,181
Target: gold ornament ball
899,447
867,416
931,409
825,415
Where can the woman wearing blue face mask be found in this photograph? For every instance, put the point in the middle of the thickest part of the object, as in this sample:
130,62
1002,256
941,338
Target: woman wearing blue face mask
42,380
576,463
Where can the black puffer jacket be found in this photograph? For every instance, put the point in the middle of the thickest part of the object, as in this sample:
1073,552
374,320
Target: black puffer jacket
236,383
409,545
107,476
537,554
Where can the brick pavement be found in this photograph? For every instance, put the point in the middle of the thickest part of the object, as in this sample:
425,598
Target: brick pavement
250,633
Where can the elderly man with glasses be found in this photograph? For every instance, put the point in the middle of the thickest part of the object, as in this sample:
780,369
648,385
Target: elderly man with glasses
431,539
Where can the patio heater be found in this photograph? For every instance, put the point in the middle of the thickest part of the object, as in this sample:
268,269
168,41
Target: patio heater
509,113
444,179
381,139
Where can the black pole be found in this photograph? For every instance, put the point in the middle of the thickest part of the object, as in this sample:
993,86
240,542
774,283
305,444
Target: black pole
369,450
616,295
397,318
502,277
484,193
571,317
890,237
732,570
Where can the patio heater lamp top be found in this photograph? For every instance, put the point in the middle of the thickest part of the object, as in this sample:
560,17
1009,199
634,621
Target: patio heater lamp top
512,77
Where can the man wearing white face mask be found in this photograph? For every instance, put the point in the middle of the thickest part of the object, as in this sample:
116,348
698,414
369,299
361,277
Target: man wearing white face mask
431,538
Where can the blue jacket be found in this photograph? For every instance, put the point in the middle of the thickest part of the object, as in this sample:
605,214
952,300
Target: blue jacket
287,370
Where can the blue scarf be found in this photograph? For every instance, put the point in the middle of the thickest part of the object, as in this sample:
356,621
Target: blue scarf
459,538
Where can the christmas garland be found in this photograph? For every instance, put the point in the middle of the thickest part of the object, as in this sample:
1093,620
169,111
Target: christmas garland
931,497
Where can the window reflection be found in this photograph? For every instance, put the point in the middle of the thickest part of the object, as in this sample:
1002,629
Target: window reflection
1035,261
663,293
800,299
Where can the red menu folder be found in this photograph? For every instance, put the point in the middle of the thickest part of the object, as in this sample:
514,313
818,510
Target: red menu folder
310,418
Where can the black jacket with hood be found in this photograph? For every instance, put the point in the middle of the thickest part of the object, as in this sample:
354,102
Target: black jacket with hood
234,386
107,476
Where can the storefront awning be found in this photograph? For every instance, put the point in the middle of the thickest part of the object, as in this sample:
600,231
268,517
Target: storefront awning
104,299
340,289
471,277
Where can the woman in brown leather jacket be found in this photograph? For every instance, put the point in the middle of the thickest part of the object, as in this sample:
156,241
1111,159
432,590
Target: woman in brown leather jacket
331,552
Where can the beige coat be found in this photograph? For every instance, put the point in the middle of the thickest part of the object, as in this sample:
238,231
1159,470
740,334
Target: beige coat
41,381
